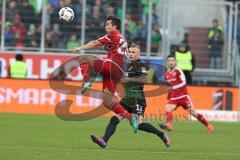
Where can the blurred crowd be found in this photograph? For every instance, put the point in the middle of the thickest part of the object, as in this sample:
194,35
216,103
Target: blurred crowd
23,23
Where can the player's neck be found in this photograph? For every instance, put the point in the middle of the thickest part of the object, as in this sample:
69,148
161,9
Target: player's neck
136,60
114,30
171,69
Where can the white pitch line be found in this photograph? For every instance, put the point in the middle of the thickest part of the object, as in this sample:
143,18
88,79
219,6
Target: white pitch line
121,151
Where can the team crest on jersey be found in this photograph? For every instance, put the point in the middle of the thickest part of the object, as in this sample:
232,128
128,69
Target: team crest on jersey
130,68
174,74
171,77
109,46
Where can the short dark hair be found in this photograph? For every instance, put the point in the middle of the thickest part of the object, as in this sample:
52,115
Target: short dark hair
115,21
134,45
215,20
171,56
19,57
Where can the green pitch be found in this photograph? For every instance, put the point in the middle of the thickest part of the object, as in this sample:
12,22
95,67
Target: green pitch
42,137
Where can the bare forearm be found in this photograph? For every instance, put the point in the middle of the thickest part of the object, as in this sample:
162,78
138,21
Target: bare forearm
89,45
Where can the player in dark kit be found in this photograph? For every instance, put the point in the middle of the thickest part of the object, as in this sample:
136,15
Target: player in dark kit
111,68
134,99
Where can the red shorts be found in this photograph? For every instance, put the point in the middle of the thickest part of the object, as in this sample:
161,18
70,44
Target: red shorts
111,71
185,102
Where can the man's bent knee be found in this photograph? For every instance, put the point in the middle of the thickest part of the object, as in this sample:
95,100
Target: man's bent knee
108,99
140,119
170,107
193,112
87,59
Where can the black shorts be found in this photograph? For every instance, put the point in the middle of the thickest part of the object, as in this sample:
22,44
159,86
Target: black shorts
134,105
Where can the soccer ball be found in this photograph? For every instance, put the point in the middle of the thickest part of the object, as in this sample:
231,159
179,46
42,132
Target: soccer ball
66,14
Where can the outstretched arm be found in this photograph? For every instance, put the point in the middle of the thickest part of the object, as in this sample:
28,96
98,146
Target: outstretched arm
89,45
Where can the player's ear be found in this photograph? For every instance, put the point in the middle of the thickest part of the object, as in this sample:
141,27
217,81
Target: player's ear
115,26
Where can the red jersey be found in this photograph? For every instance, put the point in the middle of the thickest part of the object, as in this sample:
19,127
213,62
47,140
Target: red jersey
176,79
115,44
19,30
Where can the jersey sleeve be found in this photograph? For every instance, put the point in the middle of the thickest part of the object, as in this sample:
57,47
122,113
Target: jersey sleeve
181,76
139,70
146,66
143,68
105,39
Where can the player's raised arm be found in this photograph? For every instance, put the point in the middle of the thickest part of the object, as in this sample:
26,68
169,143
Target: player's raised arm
90,45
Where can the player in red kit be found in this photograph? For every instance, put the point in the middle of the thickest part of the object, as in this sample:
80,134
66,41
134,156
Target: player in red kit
178,96
111,67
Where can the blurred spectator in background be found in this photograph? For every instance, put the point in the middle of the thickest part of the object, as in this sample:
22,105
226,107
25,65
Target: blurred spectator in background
99,3
215,44
19,44
32,39
8,34
110,10
68,3
146,9
18,69
66,28
131,24
216,28
155,18
56,37
127,33
97,20
55,11
140,34
72,42
27,13
96,12
95,24
18,28
47,20
11,10
156,38
117,5
19,32
48,40
39,32
54,3
49,11
119,11
185,61
78,8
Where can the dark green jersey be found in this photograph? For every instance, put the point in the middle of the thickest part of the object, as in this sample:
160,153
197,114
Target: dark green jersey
134,89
